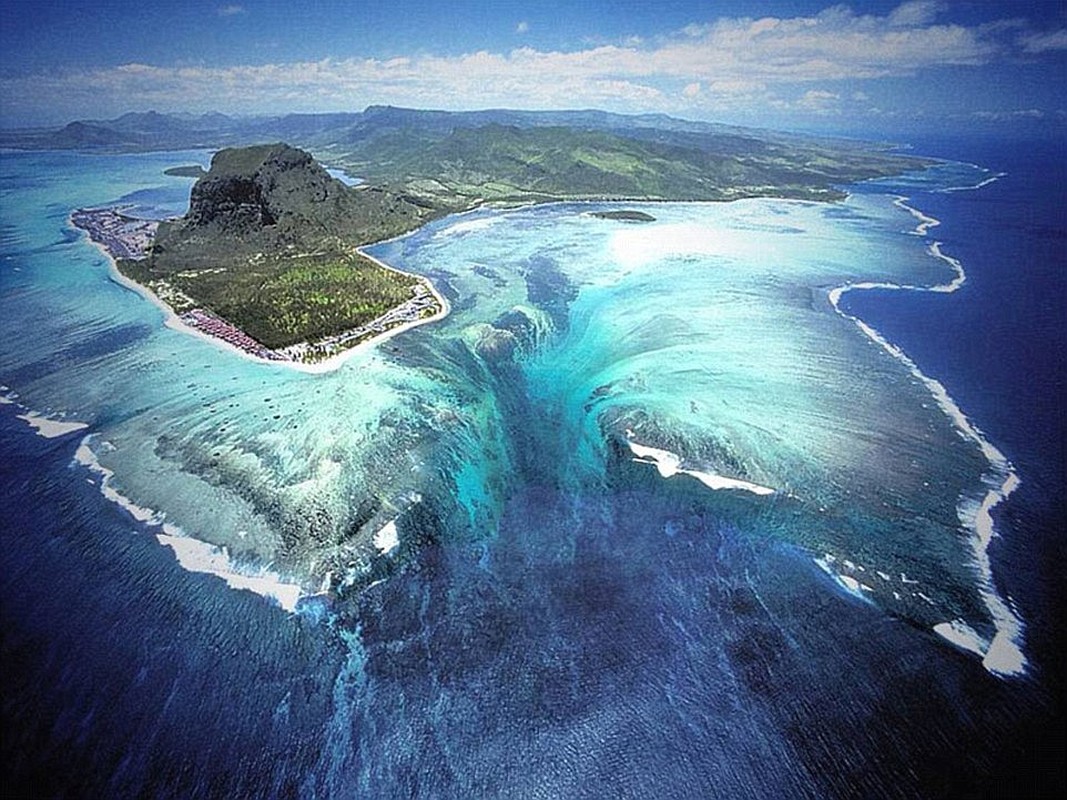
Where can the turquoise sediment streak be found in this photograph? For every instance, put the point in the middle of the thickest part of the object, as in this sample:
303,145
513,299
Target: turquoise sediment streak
708,334
574,344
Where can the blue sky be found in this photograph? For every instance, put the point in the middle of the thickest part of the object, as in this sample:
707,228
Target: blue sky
797,64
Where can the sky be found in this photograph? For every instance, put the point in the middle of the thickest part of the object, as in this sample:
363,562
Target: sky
791,64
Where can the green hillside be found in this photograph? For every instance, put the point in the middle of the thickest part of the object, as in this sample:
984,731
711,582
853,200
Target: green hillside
502,162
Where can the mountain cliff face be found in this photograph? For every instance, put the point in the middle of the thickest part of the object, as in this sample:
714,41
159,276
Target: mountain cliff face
276,199
252,189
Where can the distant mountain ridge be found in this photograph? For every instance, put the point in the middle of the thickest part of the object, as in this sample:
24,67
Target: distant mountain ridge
452,160
154,130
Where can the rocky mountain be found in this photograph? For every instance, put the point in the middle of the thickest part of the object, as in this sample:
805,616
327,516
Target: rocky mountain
269,245
276,199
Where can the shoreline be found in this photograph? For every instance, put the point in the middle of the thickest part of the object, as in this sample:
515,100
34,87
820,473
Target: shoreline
1002,655
337,360
191,553
173,320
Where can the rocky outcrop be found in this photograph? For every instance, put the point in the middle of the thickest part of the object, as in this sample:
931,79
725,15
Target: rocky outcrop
254,188
273,199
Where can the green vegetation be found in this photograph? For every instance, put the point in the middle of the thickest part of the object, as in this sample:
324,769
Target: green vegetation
282,302
505,163
269,245
269,242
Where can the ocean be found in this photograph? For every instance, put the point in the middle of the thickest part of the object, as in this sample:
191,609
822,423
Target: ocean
658,508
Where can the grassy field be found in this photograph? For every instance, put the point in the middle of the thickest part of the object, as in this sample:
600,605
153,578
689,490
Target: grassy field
280,301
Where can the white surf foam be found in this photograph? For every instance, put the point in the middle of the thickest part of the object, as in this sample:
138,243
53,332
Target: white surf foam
387,538
986,182
197,556
963,636
717,482
846,582
47,427
1003,655
925,222
669,464
51,428
193,554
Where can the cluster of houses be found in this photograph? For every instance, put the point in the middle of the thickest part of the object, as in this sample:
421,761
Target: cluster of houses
213,326
122,236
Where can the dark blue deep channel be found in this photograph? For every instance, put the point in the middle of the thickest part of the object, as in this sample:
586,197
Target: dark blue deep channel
631,646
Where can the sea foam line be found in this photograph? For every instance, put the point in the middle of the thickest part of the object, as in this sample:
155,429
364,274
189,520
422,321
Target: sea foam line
193,554
45,426
668,464
1003,655
995,176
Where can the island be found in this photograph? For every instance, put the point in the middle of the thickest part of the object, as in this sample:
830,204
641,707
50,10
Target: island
624,215
187,171
270,256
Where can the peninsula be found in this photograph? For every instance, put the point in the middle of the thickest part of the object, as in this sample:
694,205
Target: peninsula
268,256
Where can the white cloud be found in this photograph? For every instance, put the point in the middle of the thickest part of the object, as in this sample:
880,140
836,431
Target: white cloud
1008,116
818,100
916,12
1043,42
740,86
726,64
230,10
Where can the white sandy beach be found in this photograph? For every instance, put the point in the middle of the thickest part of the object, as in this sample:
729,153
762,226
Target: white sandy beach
173,320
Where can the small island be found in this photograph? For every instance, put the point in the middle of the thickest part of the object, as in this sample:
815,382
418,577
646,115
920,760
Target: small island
187,171
624,216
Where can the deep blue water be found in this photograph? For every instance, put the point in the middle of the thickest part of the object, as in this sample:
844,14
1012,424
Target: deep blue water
585,651
1000,343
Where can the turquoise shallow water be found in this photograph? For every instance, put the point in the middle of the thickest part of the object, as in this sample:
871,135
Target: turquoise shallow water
571,607
573,340
708,334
